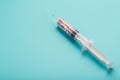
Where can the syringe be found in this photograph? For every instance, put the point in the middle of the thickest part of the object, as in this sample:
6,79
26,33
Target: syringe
87,45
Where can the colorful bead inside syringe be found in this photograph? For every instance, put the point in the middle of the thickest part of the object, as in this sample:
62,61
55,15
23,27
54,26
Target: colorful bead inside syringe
66,27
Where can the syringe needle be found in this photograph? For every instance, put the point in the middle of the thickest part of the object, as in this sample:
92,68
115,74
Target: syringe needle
54,18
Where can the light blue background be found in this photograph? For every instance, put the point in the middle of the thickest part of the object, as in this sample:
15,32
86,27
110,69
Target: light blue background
31,47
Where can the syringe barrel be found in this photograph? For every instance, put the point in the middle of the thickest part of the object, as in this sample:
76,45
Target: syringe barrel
71,31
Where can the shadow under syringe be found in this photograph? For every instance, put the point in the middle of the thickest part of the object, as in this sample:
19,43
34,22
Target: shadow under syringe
87,53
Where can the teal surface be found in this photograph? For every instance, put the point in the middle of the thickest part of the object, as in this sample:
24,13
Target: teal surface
31,47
